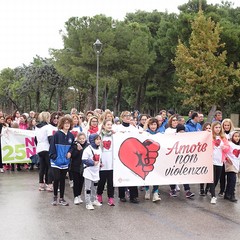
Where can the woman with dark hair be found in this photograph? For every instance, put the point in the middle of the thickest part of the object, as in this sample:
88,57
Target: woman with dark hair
152,128
60,157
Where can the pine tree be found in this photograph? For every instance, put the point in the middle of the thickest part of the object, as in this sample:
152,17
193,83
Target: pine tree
204,78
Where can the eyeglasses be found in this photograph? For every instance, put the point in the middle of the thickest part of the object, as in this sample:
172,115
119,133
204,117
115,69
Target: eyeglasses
128,115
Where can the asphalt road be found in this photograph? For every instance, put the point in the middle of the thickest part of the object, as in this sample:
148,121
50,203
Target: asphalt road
26,213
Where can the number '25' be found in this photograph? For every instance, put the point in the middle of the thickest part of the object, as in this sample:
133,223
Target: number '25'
14,152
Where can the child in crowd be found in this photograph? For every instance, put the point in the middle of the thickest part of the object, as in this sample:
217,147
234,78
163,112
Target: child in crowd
106,171
91,159
220,148
232,166
76,166
60,157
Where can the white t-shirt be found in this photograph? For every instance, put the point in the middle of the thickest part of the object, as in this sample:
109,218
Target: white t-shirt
42,138
217,152
234,155
107,153
170,130
51,130
92,172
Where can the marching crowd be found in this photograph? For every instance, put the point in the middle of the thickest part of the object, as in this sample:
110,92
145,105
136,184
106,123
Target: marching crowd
80,145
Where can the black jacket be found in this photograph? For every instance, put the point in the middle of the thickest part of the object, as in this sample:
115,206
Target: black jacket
76,164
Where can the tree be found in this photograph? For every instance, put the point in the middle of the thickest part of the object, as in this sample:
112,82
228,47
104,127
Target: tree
203,75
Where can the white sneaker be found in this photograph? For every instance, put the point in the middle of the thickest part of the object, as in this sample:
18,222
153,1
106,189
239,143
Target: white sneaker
213,200
71,183
156,197
147,195
79,199
76,201
178,188
1,170
96,203
89,207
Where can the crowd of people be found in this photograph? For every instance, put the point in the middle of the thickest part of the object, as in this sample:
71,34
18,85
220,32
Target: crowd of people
80,145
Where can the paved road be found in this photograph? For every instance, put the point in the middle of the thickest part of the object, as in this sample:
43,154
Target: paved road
26,213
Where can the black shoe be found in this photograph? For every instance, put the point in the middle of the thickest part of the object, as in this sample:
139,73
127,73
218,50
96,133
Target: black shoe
232,198
134,200
226,196
206,191
221,194
202,193
123,199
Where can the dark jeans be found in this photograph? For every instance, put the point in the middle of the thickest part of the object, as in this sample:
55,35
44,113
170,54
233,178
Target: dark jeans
223,180
59,179
217,170
133,191
78,181
45,169
231,182
106,176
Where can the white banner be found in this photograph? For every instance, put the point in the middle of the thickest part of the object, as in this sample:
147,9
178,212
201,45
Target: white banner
162,159
17,145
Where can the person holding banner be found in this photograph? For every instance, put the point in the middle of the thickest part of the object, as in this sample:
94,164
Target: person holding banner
2,124
127,127
173,193
220,149
60,157
152,128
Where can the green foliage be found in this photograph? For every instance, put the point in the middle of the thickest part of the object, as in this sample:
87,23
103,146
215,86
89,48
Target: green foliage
203,76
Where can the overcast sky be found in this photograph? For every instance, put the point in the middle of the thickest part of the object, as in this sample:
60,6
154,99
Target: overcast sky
30,27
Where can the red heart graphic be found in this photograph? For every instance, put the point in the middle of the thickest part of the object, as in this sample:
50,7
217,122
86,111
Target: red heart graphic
236,152
96,157
139,157
217,142
75,133
107,144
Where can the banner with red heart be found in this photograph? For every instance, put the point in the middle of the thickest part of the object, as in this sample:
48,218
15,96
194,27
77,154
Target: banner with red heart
138,156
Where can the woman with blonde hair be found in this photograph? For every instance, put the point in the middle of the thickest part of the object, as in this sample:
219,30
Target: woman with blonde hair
227,128
41,129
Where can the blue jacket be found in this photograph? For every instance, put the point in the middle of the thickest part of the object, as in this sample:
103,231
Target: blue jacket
59,147
192,126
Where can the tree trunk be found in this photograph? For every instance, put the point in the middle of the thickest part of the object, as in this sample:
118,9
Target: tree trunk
30,102
118,98
138,99
50,99
60,99
211,113
105,97
37,100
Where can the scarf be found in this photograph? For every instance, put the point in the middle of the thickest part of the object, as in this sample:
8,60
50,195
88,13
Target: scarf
93,129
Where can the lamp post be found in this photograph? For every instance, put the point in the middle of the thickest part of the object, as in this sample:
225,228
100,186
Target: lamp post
97,48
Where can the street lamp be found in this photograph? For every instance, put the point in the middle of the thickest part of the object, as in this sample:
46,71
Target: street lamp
97,48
